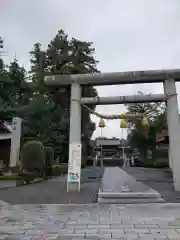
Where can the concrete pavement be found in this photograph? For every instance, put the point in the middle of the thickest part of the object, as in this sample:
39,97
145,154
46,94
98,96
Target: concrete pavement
54,191
53,220
50,222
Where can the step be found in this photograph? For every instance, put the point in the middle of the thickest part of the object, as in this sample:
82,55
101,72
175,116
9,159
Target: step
128,195
117,186
129,200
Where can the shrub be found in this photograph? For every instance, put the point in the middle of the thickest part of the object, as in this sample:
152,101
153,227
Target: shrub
161,152
33,156
25,173
57,170
50,154
111,162
148,164
28,176
49,151
90,161
10,177
15,170
60,166
159,163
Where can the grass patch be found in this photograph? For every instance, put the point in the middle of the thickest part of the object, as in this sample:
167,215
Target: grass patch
60,169
10,177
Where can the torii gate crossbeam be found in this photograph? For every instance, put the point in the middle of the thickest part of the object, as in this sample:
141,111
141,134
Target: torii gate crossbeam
129,77
123,99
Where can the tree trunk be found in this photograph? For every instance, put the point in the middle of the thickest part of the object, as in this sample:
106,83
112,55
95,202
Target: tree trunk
84,155
154,153
143,154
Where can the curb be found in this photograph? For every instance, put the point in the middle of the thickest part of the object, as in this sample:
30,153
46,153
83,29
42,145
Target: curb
3,203
14,186
36,181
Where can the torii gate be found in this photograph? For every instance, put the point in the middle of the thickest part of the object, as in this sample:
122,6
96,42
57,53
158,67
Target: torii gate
168,77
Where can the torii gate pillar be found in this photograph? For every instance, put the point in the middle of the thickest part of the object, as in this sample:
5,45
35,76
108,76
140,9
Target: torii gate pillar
173,121
74,164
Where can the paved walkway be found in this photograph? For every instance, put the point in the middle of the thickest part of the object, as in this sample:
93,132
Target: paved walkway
45,218
159,179
54,190
50,222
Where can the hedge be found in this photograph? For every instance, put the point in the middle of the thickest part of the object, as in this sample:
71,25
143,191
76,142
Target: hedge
49,160
33,156
10,177
49,155
111,162
90,161
157,164
58,170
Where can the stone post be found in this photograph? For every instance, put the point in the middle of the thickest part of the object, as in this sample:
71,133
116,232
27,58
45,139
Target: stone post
15,141
75,147
170,160
173,121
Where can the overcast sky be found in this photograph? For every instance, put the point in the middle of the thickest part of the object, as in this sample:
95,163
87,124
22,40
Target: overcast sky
127,35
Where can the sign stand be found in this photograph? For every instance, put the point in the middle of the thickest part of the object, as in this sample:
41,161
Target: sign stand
74,166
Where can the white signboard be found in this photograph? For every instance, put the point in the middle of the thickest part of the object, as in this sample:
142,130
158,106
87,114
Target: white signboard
74,165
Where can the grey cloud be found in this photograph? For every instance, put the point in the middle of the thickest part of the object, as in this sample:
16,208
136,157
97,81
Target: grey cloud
127,35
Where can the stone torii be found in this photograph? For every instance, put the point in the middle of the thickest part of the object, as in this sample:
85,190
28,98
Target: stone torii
167,77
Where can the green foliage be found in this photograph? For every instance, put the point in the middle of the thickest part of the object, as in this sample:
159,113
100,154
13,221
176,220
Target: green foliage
63,56
61,166
28,177
33,156
45,111
90,161
14,90
10,177
58,170
145,138
157,164
49,151
49,155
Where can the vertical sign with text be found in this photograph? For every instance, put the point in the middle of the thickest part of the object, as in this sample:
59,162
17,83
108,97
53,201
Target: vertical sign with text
74,165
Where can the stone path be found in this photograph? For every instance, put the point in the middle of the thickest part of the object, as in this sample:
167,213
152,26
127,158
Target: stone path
119,187
50,222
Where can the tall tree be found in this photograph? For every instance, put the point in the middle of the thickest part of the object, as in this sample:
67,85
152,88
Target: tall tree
45,111
20,91
4,83
63,56
45,120
12,88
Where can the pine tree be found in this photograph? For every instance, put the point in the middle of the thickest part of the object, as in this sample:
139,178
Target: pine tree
63,56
